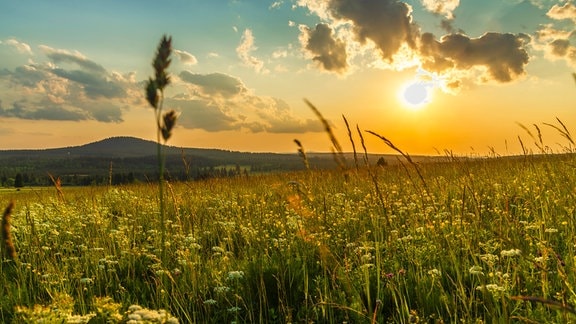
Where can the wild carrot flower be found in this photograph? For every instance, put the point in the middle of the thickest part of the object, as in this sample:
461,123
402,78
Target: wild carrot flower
510,253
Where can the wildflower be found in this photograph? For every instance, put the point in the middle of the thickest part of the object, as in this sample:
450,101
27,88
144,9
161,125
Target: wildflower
492,288
434,273
475,270
210,302
235,275
510,253
221,289
86,281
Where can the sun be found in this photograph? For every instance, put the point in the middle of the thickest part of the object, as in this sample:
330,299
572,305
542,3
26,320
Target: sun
415,94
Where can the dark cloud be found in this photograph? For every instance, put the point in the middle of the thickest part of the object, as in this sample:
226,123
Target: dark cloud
202,114
503,55
103,112
448,27
389,26
21,109
26,75
63,56
86,92
560,47
388,23
95,85
214,83
325,48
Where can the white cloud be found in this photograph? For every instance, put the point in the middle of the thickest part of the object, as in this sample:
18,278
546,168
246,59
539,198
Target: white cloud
441,7
566,11
21,47
245,49
185,57
275,5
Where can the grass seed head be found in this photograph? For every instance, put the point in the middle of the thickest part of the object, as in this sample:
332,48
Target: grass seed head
7,244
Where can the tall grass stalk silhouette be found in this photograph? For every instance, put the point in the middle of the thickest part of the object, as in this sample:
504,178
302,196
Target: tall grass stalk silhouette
8,249
165,121
336,147
351,141
406,156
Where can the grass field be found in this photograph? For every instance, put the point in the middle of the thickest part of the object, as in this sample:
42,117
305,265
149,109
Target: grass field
471,241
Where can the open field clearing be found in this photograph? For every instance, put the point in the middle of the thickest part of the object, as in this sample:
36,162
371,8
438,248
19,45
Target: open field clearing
478,241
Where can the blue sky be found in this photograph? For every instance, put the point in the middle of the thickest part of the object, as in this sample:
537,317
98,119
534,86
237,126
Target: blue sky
71,72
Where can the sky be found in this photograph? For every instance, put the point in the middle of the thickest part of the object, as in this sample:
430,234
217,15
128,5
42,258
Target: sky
462,76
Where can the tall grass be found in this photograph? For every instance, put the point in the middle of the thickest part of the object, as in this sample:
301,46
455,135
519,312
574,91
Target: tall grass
165,121
494,237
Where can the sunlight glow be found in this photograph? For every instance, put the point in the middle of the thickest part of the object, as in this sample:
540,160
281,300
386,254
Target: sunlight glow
415,94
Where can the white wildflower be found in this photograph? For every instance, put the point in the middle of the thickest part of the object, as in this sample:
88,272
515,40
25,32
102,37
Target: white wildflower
510,253
476,270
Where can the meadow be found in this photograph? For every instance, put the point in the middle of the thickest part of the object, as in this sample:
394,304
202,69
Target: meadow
482,240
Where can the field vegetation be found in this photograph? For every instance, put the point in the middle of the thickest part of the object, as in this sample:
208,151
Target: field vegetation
488,240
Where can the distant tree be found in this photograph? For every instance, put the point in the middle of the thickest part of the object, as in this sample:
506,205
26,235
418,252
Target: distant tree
381,162
18,181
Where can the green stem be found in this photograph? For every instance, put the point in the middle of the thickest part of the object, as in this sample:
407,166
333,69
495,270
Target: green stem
161,157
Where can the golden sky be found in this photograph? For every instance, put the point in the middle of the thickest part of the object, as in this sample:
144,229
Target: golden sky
430,75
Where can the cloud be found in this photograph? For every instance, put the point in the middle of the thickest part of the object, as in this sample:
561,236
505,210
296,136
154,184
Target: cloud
387,23
275,5
503,55
386,28
202,114
22,48
556,44
328,51
68,87
185,57
63,56
221,102
567,11
244,50
24,110
214,83
560,47
441,7
95,86
26,75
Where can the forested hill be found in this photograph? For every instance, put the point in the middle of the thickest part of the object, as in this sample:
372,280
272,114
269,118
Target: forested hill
132,159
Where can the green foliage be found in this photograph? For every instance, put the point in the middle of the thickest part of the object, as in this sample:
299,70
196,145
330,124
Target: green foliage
492,241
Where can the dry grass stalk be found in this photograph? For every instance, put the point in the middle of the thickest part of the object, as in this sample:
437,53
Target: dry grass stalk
302,154
336,149
548,302
563,131
9,251
351,141
536,142
58,185
406,156
366,162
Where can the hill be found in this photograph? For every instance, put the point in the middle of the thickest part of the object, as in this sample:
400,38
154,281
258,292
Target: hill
127,159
